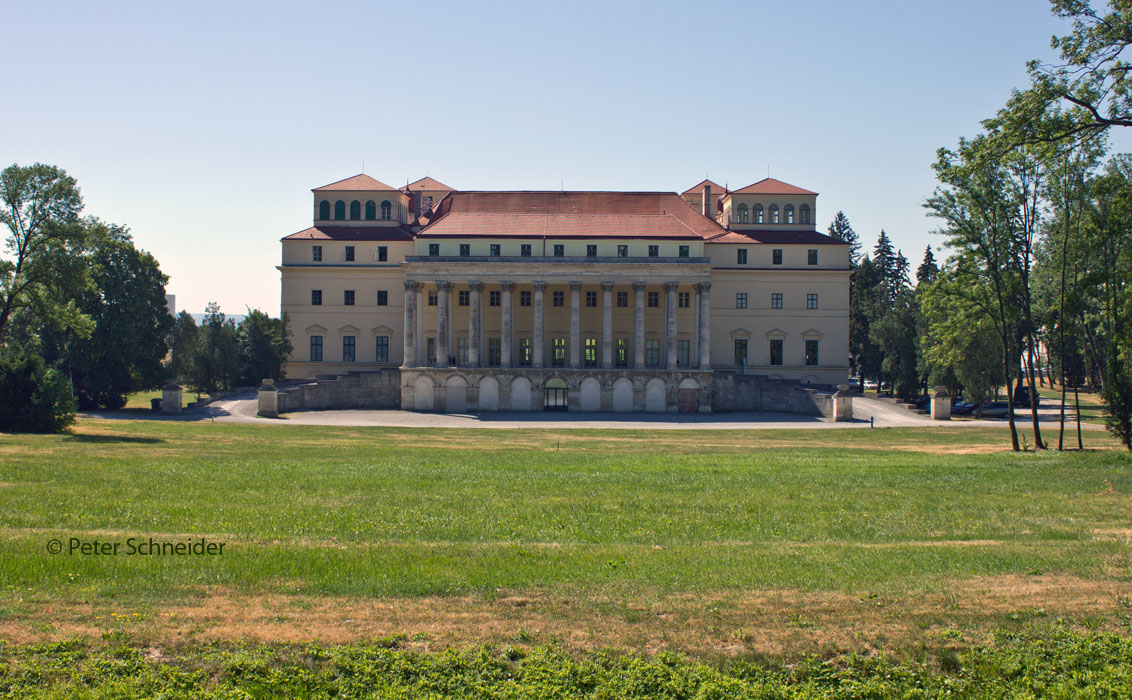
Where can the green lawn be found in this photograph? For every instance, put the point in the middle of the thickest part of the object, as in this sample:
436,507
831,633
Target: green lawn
589,526
141,399
1091,409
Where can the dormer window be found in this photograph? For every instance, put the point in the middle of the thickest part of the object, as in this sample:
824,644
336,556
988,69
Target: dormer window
386,211
789,212
324,210
371,211
774,213
758,216
339,210
742,213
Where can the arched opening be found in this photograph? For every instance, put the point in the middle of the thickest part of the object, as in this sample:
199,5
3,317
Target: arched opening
774,213
654,396
386,211
758,213
623,395
789,213
521,394
422,394
324,210
355,210
371,211
688,397
804,214
554,394
489,394
743,213
339,210
589,395
456,395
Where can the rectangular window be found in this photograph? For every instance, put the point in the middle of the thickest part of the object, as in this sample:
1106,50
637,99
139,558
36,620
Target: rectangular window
463,297
683,352
525,353
316,297
652,353
382,297
741,352
683,299
812,353
776,256
741,300
685,251
494,250
433,250
348,297
776,351
812,256
741,256
622,299
591,251
811,301
558,358
430,351
348,348
465,250
494,352
525,250
776,300
383,348
654,300
316,253
382,253
621,352
654,251
559,250
349,253
590,352
524,297
591,299
622,251
558,298
316,348
432,297
462,352
494,297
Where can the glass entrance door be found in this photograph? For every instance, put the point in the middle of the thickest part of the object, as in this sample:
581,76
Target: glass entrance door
554,395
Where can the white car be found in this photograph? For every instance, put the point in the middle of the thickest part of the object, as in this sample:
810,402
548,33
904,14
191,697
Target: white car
870,384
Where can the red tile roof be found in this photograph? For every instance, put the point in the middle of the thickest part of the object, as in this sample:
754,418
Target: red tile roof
352,233
426,183
356,183
778,237
772,186
569,214
716,189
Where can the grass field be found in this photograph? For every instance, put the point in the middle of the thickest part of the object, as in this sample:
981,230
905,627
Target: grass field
717,543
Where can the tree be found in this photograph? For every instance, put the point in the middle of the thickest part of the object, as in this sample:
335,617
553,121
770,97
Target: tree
865,291
182,345
840,229
928,270
34,398
264,345
894,333
41,206
216,364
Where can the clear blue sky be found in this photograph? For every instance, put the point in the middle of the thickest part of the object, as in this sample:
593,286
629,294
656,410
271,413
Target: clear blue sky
203,126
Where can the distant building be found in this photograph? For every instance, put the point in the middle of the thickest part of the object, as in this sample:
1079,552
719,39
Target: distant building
621,300
171,304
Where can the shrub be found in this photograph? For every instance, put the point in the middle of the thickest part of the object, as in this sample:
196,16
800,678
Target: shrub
34,398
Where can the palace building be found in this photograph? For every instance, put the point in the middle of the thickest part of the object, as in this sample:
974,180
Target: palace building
589,301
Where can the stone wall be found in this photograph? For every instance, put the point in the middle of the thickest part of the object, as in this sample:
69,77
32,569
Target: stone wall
377,389
753,392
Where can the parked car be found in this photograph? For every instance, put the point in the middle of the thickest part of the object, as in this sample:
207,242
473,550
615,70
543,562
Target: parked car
995,409
923,403
870,385
1022,397
962,408
854,383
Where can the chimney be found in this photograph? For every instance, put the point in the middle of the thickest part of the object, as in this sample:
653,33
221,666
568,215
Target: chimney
705,202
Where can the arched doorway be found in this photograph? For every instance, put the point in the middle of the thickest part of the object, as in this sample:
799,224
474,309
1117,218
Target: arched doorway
554,394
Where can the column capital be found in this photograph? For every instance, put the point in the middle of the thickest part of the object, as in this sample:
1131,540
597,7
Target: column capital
539,286
606,286
443,285
639,286
475,286
703,286
412,286
671,286
507,286
575,285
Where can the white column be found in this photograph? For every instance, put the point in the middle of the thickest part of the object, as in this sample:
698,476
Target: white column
507,324
474,325
442,288
606,325
575,324
670,325
420,294
410,327
638,325
539,360
705,325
